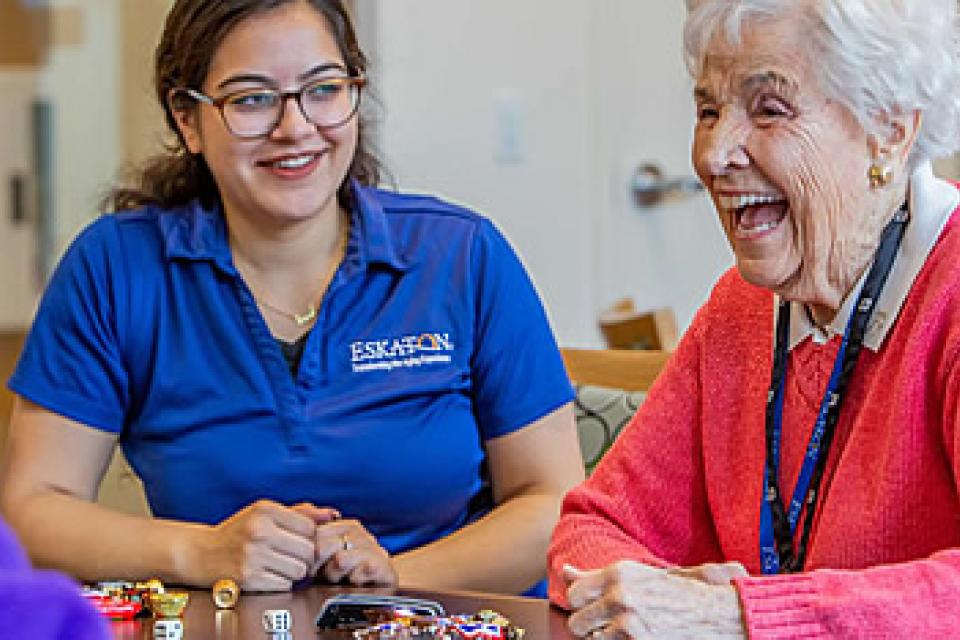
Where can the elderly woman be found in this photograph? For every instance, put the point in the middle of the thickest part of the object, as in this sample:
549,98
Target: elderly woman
795,470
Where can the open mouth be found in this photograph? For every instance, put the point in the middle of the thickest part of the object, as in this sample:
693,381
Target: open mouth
755,214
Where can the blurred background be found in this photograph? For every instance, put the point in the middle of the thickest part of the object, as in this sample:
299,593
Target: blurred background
566,122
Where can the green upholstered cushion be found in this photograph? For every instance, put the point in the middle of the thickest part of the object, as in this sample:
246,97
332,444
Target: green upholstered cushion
601,414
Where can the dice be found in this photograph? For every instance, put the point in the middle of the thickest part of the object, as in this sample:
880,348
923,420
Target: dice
168,629
277,620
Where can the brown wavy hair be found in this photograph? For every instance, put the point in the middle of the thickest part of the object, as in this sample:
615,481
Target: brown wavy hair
193,31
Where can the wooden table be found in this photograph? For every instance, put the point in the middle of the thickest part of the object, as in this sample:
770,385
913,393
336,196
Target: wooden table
202,621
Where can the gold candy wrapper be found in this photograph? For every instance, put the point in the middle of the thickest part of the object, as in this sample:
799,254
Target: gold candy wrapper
225,593
168,605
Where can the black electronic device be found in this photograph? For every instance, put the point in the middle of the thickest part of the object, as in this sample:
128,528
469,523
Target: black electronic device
355,610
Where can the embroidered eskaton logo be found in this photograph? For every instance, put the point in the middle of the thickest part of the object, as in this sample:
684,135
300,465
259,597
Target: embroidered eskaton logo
403,352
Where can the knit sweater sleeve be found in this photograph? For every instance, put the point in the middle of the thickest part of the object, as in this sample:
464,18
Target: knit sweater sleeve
646,501
914,599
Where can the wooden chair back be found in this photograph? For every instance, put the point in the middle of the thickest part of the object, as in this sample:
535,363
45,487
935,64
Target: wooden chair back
11,343
623,326
627,369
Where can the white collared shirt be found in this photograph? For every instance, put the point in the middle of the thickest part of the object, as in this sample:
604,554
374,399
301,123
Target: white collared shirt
931,203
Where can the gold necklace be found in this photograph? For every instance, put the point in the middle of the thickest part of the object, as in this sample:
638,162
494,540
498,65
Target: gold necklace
308,316
300,319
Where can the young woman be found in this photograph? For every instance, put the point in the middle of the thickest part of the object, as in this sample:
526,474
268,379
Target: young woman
275,343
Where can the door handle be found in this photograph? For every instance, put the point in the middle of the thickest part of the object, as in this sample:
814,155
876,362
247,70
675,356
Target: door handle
650,186
18,199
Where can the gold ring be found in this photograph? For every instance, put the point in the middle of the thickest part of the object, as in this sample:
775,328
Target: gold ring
346,544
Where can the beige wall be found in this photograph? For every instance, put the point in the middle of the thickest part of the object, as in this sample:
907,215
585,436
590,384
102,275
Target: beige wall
142,126
949,167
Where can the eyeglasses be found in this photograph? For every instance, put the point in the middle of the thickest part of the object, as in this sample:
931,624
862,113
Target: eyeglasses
255,113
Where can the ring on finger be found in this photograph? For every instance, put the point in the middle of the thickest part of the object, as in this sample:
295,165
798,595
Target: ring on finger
345,543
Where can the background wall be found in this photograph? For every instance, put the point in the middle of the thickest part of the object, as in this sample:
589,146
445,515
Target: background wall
494,108
141,23
81,82
536,114
58,99
668,255
20,280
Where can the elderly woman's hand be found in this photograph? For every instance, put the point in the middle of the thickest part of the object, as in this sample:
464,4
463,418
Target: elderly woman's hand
712,573
345,550
632,600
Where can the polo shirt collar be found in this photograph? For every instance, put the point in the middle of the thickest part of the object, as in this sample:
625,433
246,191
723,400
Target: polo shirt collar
371,239
193,232
931,202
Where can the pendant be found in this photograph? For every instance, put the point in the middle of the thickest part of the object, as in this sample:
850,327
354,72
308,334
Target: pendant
310,314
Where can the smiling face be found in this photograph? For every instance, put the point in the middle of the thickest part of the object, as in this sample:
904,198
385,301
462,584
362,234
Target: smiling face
786,167
293,173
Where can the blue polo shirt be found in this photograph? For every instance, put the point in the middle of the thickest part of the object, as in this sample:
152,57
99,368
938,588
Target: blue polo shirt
430,341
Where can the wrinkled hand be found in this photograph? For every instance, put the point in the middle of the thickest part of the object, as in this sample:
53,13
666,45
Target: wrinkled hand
345,550
264,546
630,600
712,573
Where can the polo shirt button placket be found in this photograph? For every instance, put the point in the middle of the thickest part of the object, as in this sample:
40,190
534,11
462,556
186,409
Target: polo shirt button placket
289,407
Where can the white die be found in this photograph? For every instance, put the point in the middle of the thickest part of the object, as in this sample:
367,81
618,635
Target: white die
168,629
276,620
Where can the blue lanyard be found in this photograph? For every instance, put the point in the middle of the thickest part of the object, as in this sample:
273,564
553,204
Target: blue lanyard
778,526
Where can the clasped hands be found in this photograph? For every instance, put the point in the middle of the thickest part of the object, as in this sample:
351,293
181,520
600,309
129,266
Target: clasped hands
630,600
269,547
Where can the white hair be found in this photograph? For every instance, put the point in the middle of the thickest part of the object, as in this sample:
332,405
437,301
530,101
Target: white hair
879,58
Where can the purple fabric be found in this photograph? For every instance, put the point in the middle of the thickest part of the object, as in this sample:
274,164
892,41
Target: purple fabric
13,559
41,605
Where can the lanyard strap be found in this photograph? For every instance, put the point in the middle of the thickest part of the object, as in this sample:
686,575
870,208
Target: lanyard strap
778,525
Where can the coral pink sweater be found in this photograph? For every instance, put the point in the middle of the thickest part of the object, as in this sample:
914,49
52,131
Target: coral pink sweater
682,484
